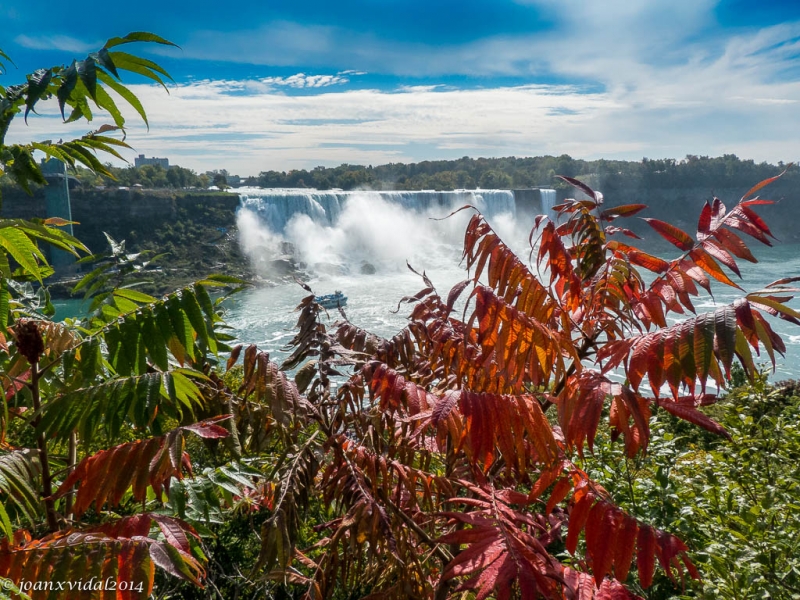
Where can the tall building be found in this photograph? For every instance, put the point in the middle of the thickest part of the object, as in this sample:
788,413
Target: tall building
141,161
58,204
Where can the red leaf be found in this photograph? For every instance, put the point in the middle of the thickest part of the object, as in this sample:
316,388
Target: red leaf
624,547
646,555
760,185
783,281
709,265
614,590
207,429
174,531
611,230
603,553
672,234
597,197
235,352
692,415
455,292
714,248
704,223
734,244
755,219
748,228
648,261
626,210
560,491
444,406
578,516
597,530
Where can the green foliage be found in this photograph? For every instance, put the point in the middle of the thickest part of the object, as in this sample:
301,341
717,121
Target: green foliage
133,366
735,504
75,86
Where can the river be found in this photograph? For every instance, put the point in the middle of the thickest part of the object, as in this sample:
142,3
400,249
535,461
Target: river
338,234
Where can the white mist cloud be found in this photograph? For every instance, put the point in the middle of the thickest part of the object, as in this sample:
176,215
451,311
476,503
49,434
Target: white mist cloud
369,228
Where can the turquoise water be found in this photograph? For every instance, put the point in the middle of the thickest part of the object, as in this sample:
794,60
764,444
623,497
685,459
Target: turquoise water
265,316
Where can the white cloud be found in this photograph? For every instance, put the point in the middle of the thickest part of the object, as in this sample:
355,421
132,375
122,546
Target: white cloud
55,42
301,80
660,83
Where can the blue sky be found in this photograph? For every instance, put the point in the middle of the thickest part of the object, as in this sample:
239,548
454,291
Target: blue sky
293,84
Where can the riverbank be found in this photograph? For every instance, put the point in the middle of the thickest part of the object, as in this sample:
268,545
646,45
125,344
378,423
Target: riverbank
194,230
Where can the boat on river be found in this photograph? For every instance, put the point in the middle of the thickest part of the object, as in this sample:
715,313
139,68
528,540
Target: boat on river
334,300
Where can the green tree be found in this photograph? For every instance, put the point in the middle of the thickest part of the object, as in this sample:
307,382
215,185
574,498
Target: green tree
495,179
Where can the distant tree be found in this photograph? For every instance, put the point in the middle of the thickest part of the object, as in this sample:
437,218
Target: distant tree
495,179
220,181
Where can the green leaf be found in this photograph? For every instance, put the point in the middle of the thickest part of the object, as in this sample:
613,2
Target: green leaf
87,71
37,87
195,314
6,522
25,252
4,297
69,80
104,60
141,66
221,280
126,94
138,36
134,295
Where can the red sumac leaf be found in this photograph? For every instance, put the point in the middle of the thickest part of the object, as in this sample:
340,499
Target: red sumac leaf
208,429
560,491
760,185
747,227
578,516
692,415
672,234
715,249
235,352
755,219
625,546
626,210
704,223
596,196
646,555
455,292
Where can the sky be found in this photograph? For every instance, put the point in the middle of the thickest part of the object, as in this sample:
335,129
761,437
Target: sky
289,84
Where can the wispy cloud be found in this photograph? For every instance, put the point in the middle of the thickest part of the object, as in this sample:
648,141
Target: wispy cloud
301,80
55,42
655,80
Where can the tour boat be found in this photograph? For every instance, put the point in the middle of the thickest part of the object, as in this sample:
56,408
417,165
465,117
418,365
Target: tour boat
333,300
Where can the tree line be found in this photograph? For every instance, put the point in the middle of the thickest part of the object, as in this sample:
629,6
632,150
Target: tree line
464,173
514,173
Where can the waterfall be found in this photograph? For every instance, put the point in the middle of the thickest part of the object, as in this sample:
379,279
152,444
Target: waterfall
349,232
276,207
548,198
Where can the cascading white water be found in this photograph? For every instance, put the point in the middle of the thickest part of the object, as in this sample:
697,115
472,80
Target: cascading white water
362,231
548,201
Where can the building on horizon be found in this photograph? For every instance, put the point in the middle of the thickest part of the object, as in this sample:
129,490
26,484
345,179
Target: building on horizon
141,161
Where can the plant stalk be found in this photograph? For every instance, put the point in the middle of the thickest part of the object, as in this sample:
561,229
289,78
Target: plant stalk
47,480
72,459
